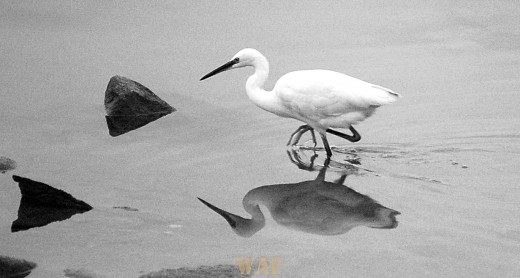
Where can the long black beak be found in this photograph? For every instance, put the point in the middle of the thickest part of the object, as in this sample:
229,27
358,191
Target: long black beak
220,69
228,216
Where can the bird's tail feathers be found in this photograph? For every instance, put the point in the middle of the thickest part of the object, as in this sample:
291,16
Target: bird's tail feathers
387,96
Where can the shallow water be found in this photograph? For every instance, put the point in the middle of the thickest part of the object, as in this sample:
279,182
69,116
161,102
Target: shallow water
445,155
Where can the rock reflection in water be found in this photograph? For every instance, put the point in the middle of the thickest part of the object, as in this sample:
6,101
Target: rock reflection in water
118,125
315,206
42,204
15,268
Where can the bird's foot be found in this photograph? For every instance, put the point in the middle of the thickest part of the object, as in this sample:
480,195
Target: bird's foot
298,133
352,138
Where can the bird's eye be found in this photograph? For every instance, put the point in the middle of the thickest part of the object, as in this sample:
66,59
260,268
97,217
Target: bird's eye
236,60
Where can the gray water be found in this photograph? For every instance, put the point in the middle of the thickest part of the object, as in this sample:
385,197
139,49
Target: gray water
445,155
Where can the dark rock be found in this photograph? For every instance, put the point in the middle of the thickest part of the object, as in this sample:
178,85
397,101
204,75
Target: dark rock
130,105
15,268
229,271
6,164
80,273
42,204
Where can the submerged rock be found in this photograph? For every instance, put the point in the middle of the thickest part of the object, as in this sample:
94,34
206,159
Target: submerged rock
81,273
15,268
6,164
228,271
42,204
127,208
130,105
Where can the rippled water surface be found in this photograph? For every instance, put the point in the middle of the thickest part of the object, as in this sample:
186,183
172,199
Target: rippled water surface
445,156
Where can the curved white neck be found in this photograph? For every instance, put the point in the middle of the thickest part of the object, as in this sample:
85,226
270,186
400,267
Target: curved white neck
254,87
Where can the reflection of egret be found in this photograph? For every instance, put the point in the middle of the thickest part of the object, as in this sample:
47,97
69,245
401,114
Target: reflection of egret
323,99
348,166
315,206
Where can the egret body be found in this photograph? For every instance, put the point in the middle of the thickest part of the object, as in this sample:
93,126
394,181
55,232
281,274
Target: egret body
322,99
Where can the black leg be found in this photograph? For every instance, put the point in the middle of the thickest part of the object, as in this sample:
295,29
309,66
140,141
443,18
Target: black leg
313,137
326,144
352,138
290,142
296,159
297,134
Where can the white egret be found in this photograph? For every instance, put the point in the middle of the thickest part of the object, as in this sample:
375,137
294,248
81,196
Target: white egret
323,99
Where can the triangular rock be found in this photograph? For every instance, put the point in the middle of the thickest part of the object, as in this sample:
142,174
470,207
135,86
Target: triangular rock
42,204
130,105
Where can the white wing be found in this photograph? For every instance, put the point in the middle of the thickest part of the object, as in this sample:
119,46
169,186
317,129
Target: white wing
322,95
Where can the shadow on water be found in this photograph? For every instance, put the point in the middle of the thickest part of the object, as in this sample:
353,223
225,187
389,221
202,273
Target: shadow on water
42,204
314,206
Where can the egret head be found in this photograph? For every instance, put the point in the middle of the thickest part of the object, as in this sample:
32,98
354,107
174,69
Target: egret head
245,57
241,226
